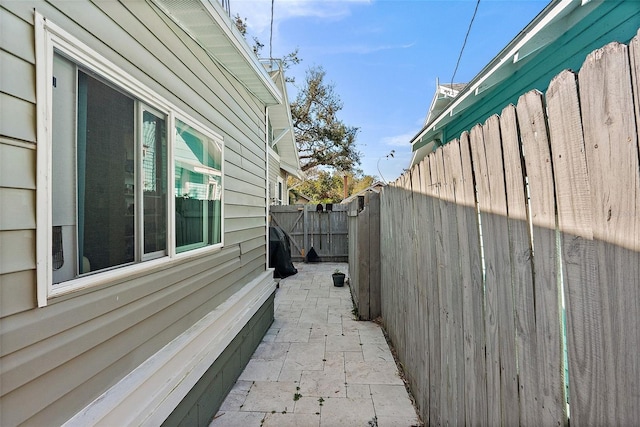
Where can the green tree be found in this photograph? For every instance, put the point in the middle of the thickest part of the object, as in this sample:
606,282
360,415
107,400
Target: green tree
323,139
324,187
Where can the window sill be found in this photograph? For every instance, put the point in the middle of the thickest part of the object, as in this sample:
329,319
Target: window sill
123,273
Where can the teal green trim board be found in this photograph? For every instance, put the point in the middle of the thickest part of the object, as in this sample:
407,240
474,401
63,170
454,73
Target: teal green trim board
609,21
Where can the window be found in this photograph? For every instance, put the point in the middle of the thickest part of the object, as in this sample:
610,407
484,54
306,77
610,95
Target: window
280,191
109,202
104,178
198,188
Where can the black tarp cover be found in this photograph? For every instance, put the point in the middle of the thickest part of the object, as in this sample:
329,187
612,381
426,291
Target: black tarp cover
280,254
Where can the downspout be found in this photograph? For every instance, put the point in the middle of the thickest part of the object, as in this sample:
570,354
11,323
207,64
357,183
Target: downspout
266,187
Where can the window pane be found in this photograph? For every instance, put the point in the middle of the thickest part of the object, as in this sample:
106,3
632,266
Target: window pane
198,189
154,170
106,182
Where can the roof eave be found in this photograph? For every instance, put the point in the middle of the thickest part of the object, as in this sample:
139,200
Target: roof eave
245,68
507,55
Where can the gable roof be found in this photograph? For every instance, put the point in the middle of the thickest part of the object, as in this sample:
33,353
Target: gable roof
442,98
208,24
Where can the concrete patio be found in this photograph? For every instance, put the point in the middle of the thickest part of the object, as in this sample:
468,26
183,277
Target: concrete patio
318,366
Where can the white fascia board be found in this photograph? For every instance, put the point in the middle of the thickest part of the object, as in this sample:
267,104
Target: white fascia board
257,81
505,57
237,40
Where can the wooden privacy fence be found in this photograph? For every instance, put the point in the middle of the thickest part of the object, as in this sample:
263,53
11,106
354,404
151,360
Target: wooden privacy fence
364,254
326,231
482,239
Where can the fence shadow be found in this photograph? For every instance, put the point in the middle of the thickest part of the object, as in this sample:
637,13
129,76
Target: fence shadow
510,257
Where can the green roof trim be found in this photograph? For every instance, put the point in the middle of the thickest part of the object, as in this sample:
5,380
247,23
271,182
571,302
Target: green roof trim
609,21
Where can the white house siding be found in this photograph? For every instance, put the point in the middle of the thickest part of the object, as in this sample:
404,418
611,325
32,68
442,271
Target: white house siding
56,359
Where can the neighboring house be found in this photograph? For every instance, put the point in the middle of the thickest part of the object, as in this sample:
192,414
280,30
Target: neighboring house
133,201
375,187
559,38
297,198
283,151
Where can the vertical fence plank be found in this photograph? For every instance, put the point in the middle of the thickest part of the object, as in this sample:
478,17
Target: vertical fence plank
435,412
460,268
416,345
427,278
374,276
584,340
481,170
611,144
537,156
452,286
364,264
443,255
499,272
424,274
521,267
473,294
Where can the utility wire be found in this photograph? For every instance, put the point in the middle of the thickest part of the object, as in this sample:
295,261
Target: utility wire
271,33
465,42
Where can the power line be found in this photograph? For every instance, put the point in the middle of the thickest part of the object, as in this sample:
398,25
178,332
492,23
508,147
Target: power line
271,33
465,42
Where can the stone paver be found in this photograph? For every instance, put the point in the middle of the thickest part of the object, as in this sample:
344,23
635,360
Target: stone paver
317,366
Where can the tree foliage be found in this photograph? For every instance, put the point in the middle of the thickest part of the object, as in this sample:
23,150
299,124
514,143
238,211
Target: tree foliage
323,139
324,187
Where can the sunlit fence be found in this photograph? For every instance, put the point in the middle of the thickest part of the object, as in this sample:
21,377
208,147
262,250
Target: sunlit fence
510,256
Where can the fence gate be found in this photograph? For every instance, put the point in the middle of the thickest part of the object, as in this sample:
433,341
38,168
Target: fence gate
307,227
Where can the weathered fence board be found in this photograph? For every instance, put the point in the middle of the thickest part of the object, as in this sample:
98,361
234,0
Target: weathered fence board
492,241
473,293
482,237
434,300
498,276
611,145
364,254
451,159
537,157
425,262
521,267
584,338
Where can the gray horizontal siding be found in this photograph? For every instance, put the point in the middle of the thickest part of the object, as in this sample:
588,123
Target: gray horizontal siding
54,360
18,118
17,166
17,292
243,211
18,208
18,76
66,362
22,37
274,172
17,251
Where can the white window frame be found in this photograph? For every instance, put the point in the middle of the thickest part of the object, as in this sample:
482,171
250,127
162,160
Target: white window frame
51,38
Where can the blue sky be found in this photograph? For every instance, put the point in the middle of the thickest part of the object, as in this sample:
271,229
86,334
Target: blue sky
384,57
